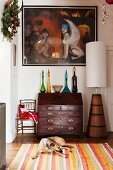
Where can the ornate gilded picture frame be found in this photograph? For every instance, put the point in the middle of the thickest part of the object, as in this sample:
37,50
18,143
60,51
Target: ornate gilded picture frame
57,35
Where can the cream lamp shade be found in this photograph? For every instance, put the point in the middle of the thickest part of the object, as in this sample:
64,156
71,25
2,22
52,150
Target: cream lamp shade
96,64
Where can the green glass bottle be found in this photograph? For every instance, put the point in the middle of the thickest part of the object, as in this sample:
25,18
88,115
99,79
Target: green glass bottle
42,89
66,88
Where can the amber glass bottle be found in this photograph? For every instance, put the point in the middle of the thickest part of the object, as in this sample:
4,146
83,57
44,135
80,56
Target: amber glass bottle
74,81
48,83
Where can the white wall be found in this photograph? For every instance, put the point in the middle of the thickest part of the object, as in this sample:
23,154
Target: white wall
8,83
8,88
5,84
110,88
25,82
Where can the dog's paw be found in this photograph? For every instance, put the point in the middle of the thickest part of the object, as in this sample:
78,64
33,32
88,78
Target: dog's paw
34,156
65,155
71,150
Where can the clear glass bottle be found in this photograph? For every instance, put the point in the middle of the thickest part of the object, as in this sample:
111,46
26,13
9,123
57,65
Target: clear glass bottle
74,81
42,89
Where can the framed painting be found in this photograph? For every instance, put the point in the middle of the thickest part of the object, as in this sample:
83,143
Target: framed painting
57,35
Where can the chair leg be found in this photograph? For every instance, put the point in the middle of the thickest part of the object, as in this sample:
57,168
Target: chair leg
17,126
34,128
22,126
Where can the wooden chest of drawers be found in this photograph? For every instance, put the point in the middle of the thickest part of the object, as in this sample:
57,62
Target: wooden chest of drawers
60,114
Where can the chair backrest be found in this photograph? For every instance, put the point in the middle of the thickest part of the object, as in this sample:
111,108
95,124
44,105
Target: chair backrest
29,104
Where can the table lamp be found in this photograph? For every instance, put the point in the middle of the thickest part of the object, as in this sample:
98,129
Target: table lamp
96,78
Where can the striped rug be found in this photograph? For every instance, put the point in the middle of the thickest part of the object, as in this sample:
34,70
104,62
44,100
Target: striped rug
82,157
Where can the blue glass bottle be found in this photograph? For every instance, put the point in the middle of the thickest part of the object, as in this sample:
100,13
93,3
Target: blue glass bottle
66,88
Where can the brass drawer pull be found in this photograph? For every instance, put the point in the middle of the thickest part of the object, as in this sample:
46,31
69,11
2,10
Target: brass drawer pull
70,120
50,128
71,128
50,120
61,127
60,113
50,113
71,113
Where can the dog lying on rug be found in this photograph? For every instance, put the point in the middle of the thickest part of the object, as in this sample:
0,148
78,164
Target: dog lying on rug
50,144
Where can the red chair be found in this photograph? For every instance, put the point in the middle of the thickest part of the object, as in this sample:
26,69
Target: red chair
26,113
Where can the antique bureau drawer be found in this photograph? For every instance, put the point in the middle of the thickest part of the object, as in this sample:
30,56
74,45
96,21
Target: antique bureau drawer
60,107
60,129
60,121
59,113
45,111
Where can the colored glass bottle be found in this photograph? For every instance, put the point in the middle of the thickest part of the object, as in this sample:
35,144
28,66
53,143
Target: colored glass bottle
66,88
48,83
74,81
42,89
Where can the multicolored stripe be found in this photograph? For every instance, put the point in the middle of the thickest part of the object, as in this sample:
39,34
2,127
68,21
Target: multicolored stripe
82,157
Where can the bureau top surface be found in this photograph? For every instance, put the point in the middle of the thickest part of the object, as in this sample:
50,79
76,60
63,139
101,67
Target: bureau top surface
60,99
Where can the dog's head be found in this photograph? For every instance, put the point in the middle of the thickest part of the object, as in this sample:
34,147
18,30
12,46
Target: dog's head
53,146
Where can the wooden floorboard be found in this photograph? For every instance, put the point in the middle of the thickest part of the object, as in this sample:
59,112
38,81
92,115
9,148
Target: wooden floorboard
12,148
